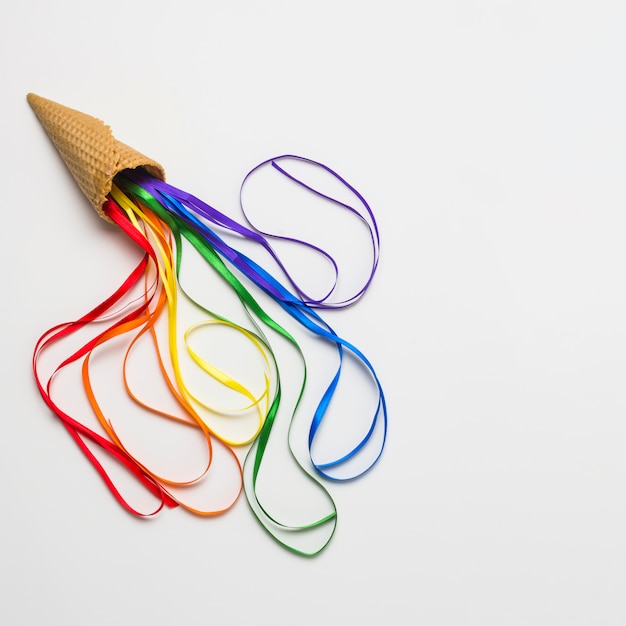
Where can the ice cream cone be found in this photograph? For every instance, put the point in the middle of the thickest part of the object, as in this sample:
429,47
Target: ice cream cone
89,149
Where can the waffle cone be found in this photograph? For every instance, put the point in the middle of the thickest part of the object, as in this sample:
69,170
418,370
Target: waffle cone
89,149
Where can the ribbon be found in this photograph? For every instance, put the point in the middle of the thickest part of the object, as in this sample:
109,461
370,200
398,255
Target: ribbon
157,217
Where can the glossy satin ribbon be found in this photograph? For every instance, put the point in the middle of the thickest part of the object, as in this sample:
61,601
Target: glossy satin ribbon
156,217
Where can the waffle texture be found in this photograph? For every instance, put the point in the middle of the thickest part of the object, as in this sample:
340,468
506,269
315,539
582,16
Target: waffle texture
89,149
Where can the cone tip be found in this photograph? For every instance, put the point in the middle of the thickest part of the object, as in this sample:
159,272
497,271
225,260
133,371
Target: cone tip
36,102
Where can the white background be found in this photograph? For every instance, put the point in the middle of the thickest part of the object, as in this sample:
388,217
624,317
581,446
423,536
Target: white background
490,140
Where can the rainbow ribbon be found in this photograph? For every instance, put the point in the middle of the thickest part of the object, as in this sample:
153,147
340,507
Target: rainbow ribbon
157,217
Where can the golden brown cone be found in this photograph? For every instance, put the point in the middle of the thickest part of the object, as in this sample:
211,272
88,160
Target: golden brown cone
89,149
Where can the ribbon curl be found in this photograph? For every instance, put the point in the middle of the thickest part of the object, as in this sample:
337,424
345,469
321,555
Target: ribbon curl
158,217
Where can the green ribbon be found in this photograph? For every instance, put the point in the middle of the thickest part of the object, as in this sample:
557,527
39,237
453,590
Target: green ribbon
257,450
